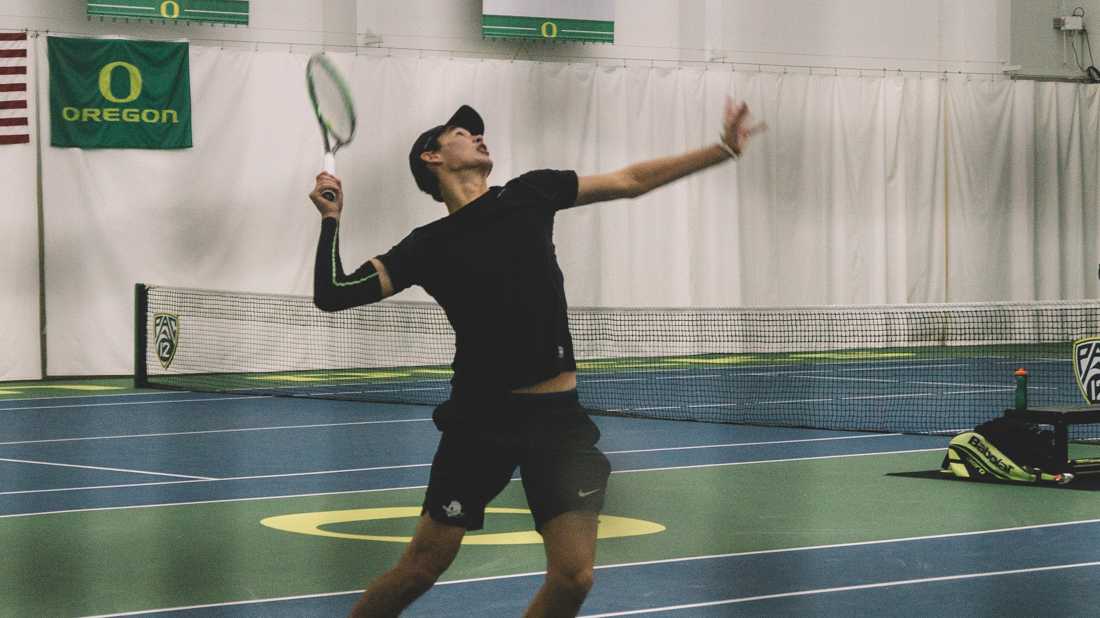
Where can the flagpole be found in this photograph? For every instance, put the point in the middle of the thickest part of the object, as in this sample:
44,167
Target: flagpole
41,215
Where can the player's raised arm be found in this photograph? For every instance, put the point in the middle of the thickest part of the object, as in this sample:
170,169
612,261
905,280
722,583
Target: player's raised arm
641,178
332,289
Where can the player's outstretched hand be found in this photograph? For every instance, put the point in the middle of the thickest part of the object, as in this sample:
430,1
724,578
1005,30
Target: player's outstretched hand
328,195
737,126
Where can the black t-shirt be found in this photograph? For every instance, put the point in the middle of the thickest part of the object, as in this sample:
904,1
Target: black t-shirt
491,266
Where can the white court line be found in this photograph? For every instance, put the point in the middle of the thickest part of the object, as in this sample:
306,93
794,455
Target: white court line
322,472
223,479
102,468
664,561
753,370
94,487
889,584
784,373
209,431
994,386
186,608
375,392
338,393
904,367
782,401
727,404
120,6
399,467
898,396
767,461
325,426
199,502
992,389
838,378
664,469
137,403
735,444
292,387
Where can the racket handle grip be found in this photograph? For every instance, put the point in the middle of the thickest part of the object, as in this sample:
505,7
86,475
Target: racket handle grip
330,167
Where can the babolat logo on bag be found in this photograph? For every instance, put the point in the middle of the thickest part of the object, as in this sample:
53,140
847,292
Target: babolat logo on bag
114,93
1005,450
970,455
166,331
1086,367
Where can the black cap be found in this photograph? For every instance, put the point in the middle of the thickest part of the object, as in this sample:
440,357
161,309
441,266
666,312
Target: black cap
466,118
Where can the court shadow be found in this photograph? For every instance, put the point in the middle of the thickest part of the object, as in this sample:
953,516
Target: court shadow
1085,482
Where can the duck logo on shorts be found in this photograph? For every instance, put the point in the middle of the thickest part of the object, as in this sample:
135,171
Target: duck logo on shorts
166,329
1086,367
454,509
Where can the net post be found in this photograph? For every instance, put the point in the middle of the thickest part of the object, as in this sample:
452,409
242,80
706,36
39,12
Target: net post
141,309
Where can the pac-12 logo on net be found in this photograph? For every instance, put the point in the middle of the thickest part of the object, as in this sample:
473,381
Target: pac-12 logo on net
1086,367
166,330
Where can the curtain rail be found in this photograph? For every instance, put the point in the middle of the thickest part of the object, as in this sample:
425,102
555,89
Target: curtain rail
525,54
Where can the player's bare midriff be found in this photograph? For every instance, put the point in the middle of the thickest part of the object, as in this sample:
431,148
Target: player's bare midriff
564,381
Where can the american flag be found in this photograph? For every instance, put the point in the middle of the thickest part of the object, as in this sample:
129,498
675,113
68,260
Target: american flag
14,124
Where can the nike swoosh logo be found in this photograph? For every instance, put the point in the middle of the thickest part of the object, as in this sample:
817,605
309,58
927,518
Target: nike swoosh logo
585,494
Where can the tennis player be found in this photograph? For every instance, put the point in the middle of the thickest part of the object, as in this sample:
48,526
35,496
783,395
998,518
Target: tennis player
490,264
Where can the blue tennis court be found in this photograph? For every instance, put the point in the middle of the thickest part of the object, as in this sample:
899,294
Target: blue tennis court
152,502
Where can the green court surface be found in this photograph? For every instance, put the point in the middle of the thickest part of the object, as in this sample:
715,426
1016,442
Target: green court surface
128,559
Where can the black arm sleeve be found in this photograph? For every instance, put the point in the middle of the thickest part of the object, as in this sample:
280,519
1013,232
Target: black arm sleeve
332,289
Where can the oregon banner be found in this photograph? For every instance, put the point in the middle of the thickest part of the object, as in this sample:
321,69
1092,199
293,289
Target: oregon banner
551,20
113,93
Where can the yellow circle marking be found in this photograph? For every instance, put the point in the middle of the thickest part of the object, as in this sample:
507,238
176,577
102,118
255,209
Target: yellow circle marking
310,523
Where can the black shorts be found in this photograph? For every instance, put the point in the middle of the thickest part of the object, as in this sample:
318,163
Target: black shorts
550,438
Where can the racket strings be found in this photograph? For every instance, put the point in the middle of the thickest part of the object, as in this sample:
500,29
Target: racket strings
333,103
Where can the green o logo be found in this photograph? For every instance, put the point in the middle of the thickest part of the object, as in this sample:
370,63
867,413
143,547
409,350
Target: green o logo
549,30
170,9
105,82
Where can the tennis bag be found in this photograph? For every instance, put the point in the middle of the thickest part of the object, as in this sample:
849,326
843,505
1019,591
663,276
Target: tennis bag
1005,450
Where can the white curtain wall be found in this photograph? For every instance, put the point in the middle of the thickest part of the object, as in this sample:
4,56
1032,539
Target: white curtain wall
1022,169
20,357
883,189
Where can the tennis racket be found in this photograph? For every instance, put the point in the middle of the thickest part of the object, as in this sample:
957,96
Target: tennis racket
334,107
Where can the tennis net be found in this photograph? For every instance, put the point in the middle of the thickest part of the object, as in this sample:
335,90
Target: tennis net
904,368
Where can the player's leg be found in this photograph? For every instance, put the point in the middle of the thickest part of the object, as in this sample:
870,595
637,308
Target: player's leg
570,542
565,490
467,472
433,547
